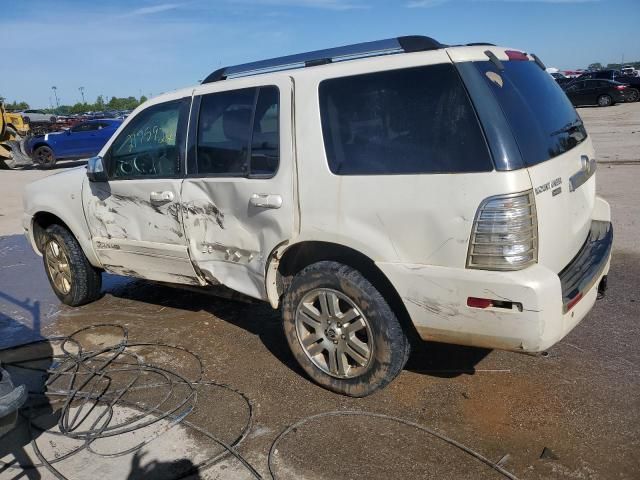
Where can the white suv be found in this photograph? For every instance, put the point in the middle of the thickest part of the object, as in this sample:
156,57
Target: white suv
378,192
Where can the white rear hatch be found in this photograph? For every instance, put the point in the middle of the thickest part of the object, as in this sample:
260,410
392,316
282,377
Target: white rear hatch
553,146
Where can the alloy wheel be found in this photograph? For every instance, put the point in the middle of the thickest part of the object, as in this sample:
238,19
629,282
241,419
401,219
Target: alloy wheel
58,266
334,333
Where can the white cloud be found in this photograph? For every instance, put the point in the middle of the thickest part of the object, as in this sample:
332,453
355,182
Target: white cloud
154,9
321,4
434,3
425,3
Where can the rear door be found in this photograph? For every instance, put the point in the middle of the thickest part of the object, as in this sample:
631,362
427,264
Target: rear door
238,197
592,90
135,218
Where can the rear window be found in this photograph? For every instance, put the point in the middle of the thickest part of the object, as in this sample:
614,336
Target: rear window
542,119
409,121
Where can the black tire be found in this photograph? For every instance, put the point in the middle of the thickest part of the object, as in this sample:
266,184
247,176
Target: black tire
44,157
52,120
390,345
633,95
605,101
26,119
85,279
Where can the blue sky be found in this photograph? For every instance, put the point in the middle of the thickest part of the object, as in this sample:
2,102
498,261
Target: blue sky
129,47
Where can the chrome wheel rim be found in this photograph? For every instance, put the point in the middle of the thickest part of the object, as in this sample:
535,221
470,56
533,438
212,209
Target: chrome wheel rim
58,267
604,101
334,333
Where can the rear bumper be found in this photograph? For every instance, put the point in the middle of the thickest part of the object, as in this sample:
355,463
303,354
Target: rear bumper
585,270
541,304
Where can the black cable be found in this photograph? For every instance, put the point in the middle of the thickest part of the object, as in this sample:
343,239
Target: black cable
101,365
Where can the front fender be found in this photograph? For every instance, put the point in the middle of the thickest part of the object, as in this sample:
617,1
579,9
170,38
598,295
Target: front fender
60,195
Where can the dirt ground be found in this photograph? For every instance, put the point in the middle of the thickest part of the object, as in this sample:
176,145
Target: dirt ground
572,414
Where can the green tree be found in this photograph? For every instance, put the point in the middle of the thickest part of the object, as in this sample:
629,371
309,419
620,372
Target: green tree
99,105
16,105
595,66
143,99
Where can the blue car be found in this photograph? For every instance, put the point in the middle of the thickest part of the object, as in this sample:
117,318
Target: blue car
84,140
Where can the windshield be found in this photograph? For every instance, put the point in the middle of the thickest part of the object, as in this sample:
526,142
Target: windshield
541,117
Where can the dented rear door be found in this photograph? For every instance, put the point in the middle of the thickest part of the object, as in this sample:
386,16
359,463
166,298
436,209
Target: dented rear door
238,197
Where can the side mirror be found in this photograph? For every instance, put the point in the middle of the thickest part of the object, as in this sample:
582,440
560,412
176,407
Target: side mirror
95,170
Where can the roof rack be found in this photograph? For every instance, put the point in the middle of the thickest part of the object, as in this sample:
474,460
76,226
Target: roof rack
414,43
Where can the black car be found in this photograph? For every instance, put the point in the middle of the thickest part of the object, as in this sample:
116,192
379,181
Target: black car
632,95
595,92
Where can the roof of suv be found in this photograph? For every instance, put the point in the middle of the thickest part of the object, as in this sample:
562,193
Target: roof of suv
390,46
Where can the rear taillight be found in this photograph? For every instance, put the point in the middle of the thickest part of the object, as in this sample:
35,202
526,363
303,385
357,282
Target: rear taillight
505,233
621,87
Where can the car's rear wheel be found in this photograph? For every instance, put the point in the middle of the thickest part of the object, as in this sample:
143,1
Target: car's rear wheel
342,331
44,157
605,101
633,95
73,279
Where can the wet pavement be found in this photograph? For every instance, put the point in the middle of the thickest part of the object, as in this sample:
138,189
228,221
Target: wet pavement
581,401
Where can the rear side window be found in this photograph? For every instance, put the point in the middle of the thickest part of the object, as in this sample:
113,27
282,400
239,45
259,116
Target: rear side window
542,119
238,133
409,121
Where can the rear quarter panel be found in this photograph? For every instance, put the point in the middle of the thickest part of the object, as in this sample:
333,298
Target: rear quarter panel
420,219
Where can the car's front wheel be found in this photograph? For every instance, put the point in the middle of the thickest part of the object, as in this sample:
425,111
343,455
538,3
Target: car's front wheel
73,279
44,157
342,331
604,101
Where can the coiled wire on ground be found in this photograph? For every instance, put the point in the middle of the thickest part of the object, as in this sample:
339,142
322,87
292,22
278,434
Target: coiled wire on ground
89,376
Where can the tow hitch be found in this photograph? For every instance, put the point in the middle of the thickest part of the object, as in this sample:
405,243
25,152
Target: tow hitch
602,287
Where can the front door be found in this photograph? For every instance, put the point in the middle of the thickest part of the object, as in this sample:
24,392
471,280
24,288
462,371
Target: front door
135,218
238,200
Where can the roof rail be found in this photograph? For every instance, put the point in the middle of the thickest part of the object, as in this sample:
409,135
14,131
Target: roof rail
376,48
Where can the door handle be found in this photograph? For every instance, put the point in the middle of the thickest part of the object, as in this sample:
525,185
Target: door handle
161,197
266,200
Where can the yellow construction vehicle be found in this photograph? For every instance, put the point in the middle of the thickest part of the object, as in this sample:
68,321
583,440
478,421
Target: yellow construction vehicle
13,134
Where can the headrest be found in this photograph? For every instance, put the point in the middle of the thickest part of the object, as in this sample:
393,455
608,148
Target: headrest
236,124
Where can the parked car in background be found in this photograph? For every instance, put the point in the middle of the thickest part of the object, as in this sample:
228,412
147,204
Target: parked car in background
561,78
633,95
82,141
596,92
37,116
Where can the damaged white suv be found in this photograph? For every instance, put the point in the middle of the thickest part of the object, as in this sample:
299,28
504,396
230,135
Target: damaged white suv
377,192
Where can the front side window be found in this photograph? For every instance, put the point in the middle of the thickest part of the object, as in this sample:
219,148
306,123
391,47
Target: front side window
238,133
149,146
409,121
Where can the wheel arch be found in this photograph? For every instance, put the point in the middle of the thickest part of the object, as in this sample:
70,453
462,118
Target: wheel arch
42,219
287,260
40,222
37,145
